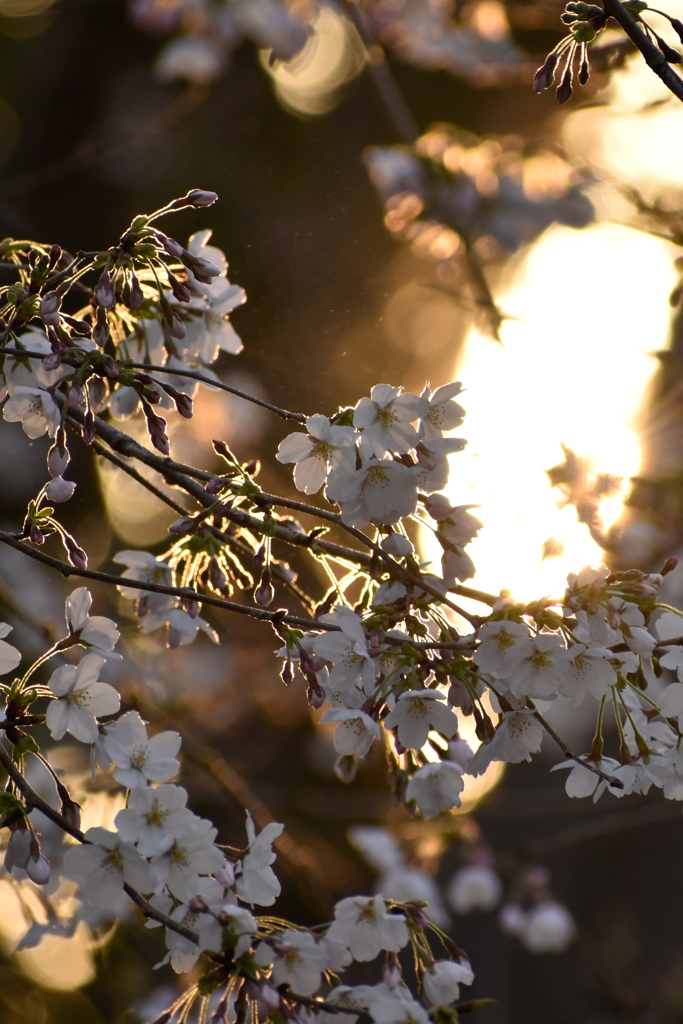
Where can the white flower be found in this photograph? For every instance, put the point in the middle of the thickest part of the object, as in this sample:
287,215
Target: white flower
517,737
385,420
590,669
297,960
355,732
582,782
9,656
381,492
441,983
418,711
94,631
193,854
496,640
671,699
82,699
257,882
397,1007
347,650
537,667
211,331
323,447
103,864
154,818
363,925
397,545
140,760
458,526
377,845
443,414
147,569
548,928
388,593
59,489
405,884
475,887
436,787
35,409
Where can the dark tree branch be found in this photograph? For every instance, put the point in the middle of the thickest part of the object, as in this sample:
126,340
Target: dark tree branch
654,57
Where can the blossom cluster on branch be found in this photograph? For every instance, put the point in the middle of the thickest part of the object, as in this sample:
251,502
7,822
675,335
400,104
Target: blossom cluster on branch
392,649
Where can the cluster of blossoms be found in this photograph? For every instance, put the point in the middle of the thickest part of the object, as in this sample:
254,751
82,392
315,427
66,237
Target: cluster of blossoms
168,854
387,654
206,34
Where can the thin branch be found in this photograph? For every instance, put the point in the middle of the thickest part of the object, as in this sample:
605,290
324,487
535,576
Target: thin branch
654,58
195,375
184,593
33,800
609,779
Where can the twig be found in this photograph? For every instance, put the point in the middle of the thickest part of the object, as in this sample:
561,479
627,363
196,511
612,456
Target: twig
195,375
654,58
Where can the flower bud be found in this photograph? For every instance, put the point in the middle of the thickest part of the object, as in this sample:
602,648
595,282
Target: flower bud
217,578
137,296
58,458
55,254
111,367
180,292
196,905
315,694
172,247
397,545
76,554
59,489
200,197
38,869
75,397
543,78
264,593
392,972
104,292
226,874
36,535
269,995
287,674
49,309
183,527
89,428
668,566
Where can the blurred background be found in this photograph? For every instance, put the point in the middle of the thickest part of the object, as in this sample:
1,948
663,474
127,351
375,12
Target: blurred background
563,220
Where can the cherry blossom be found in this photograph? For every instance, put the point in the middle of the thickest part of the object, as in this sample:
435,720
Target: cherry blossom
475,887
324,446
364,926
140,759
347,650
588,669
81,700
35,409
381,492
441,982
385,419
355,731
536,667
517,737
548,928
436,787
496,640
155,818
296,959
9,656
418,711
103,864
256,882
96,632
193,854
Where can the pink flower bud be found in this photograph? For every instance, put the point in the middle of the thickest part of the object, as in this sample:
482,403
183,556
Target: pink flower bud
200,197
392,972
36,535
226,874
75,397
60,489
38,869
49,309
89,428
57,459
136,294
76,554
196,905
104,292
183,527
269,995
180,292
172,247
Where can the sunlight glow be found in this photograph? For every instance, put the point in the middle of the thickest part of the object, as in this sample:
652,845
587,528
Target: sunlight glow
588,308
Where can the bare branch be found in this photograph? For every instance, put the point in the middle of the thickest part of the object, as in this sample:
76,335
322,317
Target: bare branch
654,57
